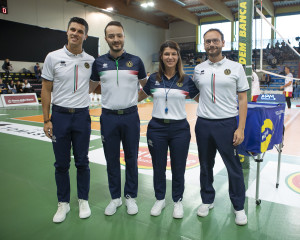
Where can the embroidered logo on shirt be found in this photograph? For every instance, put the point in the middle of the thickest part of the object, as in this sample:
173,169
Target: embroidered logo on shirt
104,65
227,71
157,83
129,64
202,72
63,63
179,84
87,65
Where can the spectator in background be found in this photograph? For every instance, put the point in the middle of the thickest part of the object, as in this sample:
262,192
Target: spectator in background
255,88
3,87
268,79
12,87
27,87
37,72
19,87
7,67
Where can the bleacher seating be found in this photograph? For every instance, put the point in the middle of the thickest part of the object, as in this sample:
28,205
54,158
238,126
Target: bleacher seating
36,86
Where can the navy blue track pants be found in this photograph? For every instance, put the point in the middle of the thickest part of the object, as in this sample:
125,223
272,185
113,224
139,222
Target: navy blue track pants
71,129
213,135
114,129
176,136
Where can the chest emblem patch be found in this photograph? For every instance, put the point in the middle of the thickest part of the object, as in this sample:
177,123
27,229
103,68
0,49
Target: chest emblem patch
87,65
157,83
227,71
129,64
179,84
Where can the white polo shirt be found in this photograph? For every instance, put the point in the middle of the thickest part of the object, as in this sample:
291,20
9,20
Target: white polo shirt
218,84
70,74
287,80
255,89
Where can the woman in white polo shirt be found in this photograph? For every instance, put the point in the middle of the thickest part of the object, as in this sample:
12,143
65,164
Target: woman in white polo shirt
168,127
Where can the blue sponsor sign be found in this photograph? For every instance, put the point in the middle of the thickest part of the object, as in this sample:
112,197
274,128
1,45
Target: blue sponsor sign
271,98
264,128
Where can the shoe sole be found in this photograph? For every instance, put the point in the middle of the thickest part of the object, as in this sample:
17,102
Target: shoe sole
178,217
209,208
242,223
85,216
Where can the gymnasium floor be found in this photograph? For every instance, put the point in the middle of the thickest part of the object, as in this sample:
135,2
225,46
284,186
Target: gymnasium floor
29,201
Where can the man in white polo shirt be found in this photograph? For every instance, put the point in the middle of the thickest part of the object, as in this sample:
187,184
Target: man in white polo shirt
219,80
120,74
66,73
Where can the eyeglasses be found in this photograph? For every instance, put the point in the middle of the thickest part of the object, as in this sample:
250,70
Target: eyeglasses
214,41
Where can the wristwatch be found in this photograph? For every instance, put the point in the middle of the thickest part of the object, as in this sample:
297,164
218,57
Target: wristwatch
46,121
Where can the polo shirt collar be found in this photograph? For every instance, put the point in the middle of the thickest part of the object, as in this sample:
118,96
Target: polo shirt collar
175,75
217,63
72,54
122,56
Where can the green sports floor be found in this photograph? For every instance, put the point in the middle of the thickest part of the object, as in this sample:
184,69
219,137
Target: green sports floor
28,195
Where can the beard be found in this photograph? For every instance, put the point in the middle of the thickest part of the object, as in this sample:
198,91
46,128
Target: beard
116,49
217,51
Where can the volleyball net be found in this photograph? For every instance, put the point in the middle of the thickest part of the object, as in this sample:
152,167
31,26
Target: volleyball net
273,62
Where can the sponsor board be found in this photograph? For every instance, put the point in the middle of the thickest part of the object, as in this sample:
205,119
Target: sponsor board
27,131
19,99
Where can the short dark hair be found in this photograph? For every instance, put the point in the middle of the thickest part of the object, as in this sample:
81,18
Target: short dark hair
216,30
113,23
289,68
80,21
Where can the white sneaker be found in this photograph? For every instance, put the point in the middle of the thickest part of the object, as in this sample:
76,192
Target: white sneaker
158,206
132,208
112,206
240,217
203,210
84,208
178,209
61,213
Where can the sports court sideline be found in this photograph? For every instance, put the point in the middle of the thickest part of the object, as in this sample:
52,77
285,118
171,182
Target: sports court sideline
28,187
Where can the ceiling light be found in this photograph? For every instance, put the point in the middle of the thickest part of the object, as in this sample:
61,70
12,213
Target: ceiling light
147,4
109,9
151,4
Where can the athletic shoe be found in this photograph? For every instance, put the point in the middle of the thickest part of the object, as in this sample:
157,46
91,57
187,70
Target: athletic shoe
158,206
61,213
203,210
84,208
240,217
178,209
112,206
132,208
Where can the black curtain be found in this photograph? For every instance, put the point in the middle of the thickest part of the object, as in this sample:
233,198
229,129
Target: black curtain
27,43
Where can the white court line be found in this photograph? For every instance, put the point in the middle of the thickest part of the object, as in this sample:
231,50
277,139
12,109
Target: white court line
291,120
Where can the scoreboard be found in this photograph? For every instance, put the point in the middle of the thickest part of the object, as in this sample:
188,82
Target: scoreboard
3,5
